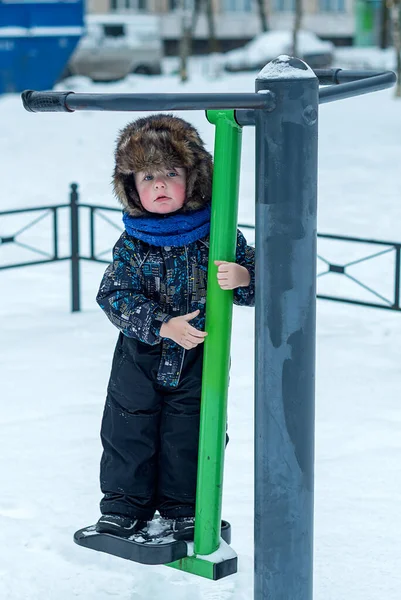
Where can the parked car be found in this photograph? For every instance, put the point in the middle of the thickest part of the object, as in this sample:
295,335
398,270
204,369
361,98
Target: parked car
116,45
267,46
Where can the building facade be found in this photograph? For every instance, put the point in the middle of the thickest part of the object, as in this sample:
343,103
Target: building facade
237,21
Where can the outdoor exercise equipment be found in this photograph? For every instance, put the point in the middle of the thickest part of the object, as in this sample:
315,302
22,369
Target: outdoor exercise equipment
284,111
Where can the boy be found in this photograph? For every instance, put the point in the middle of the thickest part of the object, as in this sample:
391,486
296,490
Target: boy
154,292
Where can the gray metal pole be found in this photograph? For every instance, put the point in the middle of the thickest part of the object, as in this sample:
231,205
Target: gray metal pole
286,199
75,274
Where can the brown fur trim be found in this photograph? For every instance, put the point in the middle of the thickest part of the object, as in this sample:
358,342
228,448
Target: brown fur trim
151,143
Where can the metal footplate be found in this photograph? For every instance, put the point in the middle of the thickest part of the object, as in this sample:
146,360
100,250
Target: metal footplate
150,548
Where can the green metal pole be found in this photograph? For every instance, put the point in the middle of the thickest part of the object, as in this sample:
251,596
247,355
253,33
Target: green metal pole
223,235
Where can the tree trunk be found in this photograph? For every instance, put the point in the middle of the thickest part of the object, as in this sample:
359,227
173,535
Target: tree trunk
395,9
263,14
297,26
194,20
195,14
213,42
187,22
384,25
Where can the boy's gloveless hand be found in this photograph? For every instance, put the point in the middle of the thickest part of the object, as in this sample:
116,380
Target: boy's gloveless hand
230,275
180,331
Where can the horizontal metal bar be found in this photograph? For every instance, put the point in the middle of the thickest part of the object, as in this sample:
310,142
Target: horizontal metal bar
99,207
34,263
245,117
358,82
70,102
95,259
346,238
33,209
358,302
246,226
149,102
356,88
338,76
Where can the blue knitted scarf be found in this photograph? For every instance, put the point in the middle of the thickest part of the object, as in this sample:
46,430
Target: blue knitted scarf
170,230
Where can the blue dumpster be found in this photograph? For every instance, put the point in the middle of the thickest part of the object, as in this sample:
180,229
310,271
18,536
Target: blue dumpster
37,39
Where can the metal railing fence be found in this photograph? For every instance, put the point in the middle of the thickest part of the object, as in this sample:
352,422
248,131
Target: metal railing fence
76,255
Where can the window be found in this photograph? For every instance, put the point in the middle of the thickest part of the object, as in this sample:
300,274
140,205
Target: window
113,30
237,5
130,4
177,4
284,5
332,5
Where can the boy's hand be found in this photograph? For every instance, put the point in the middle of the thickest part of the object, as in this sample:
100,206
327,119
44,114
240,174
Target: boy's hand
180,331
231,276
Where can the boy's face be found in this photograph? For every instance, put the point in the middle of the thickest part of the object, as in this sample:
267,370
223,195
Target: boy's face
162,191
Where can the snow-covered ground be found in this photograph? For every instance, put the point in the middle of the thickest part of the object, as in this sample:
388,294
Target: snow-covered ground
365,58
54,366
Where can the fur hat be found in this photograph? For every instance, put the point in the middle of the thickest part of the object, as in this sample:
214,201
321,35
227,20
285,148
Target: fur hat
158,141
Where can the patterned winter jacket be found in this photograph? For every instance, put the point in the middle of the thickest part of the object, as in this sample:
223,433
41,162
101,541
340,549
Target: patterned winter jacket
146,286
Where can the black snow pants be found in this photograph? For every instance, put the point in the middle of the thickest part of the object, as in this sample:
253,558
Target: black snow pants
150,434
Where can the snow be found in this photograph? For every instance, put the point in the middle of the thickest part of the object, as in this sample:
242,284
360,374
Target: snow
54,365
11,32
224,552
365,58
280,68
266,46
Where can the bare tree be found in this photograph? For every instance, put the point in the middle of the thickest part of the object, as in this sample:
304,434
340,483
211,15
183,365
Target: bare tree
213,42
196,12
395,12
184,41
189,16
384,25
297,26
262,10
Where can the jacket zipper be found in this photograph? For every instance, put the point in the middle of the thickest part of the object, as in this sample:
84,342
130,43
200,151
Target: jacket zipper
188,288
186,258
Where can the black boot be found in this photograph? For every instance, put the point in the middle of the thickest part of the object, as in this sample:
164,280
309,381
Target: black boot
184,528
119,525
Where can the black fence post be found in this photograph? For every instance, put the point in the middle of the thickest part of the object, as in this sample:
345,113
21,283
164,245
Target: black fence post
74,228
397,277
286,207
55,233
